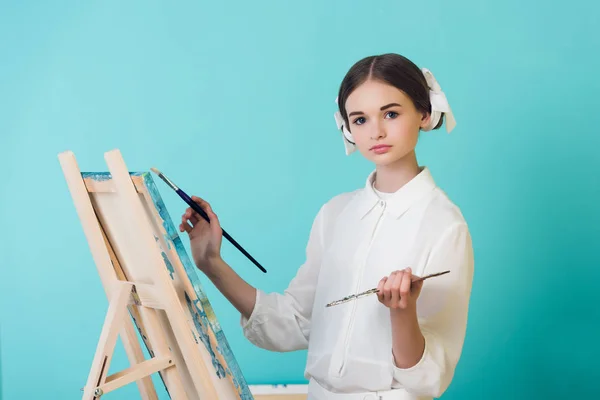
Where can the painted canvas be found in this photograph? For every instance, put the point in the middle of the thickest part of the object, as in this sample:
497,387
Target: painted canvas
203,323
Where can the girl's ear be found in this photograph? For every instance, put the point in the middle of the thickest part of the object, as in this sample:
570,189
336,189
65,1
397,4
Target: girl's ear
425,120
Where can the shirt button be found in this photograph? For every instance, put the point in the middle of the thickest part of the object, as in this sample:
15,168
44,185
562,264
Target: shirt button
382,203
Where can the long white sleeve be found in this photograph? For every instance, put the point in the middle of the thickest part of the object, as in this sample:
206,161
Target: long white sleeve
443,323
282,322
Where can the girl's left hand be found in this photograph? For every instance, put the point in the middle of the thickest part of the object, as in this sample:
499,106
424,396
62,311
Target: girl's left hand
397,291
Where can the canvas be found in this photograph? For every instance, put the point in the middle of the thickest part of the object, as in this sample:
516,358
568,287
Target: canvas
133,240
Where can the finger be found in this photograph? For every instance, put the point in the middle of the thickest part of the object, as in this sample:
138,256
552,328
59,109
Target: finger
215,225
387,287
405,288
395,298
191,213
185,217
381,283
201,202
205,207
197,199
185,225
194,219
380,288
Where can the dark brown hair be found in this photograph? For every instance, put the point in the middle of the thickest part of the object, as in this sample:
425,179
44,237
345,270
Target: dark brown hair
392,69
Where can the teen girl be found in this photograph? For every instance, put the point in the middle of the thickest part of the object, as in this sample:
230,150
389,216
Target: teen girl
405,342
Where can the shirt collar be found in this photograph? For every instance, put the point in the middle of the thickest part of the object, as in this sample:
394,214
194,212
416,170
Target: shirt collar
401,200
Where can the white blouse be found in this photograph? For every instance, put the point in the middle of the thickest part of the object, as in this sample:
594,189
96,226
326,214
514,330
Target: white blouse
356,239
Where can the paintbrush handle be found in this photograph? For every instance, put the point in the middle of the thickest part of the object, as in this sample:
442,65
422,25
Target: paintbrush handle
422,278
240,248
429,276
227,236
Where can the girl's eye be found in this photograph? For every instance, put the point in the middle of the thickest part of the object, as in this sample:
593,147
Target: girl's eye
392,114
359,120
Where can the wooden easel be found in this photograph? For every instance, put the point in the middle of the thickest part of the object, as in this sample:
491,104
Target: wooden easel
145,272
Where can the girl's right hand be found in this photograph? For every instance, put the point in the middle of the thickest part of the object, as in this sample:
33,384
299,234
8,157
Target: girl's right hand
205,238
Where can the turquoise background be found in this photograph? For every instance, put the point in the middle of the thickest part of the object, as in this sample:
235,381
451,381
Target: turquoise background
234,101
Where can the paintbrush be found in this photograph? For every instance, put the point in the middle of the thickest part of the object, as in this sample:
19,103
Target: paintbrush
200,211
374,290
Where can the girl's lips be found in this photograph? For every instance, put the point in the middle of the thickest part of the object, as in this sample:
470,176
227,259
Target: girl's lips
380,149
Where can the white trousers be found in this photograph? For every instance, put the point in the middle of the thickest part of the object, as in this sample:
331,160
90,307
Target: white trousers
317,392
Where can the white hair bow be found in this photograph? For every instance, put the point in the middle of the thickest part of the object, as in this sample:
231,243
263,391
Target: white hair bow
439,105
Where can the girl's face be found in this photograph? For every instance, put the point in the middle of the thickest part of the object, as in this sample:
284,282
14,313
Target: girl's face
383,121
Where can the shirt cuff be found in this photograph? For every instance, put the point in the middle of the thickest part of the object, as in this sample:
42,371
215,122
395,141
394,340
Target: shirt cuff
257,317
425,376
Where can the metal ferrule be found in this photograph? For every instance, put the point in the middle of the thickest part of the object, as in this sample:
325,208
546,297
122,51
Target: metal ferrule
168,182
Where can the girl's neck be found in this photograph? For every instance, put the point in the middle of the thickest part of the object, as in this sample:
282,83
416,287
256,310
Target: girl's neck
391,177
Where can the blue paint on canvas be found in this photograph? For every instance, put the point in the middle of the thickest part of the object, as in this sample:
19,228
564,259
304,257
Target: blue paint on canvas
200,326
160,206
97,176
105,176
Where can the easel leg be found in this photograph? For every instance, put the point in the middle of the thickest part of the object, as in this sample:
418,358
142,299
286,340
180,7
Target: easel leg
136,356
115,317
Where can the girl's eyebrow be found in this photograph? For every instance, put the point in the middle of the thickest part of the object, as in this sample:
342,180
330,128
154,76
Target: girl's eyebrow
390,105
382,108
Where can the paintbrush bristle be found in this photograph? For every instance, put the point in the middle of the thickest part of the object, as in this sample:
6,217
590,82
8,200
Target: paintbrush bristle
164,178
